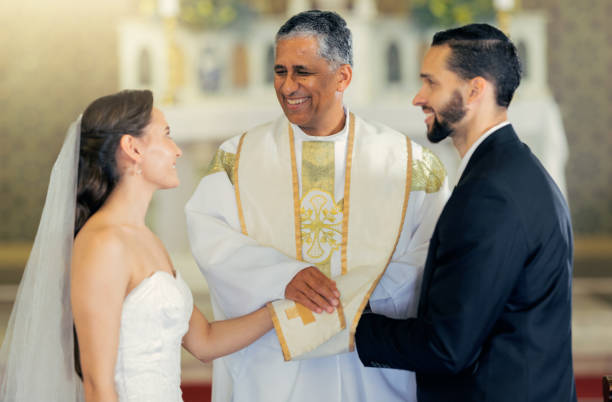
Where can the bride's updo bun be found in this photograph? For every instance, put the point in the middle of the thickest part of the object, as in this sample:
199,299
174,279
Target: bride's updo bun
103,124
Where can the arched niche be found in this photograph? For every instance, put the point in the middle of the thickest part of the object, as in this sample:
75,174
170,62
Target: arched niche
240,67
394,65
269,68
524,57
145,67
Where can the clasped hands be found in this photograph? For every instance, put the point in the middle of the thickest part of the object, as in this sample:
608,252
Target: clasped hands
314,290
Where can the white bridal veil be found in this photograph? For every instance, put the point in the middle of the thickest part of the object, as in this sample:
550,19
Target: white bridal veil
37,355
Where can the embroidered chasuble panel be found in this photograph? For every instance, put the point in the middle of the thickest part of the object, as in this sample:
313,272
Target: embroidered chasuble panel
428,172
288,202
321,216
338,204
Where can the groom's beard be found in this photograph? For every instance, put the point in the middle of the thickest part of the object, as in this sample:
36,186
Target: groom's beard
451,113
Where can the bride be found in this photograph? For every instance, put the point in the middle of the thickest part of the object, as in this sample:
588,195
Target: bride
95,263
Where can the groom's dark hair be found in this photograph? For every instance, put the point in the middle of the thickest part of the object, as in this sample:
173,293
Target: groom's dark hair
485,51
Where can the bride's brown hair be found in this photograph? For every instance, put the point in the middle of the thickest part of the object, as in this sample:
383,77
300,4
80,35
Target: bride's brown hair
103,124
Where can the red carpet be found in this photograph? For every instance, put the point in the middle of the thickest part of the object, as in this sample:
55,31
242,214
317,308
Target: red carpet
586,387
196,392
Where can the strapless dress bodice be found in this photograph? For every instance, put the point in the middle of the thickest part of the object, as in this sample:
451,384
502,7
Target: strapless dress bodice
154,319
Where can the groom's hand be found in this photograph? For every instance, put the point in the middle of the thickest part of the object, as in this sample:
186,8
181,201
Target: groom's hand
314,290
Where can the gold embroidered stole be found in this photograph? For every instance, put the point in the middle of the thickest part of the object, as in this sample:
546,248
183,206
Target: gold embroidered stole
376,192
321,217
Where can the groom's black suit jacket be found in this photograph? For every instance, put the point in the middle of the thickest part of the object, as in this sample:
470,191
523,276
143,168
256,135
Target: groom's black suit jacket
494,314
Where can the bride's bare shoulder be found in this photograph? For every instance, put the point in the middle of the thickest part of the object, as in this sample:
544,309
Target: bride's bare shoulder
101,246
99,235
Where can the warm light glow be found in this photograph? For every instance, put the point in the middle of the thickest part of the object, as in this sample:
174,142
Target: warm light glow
168,8
503,5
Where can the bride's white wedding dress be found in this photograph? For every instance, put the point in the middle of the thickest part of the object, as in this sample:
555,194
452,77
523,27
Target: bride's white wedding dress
154,319
37,353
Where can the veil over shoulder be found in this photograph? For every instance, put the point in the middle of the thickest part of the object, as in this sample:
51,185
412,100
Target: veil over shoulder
37,354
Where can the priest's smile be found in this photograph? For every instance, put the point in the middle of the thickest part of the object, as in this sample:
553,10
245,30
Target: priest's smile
296,103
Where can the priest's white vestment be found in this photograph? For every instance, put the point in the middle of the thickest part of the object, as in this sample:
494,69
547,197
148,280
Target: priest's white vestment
248,261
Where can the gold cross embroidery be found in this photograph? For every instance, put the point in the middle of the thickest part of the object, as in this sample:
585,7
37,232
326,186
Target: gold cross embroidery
299,310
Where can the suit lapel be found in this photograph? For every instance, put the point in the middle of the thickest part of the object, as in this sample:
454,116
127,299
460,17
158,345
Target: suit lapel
501,136
497,138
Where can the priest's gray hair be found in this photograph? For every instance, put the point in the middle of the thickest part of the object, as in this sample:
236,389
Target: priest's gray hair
334,37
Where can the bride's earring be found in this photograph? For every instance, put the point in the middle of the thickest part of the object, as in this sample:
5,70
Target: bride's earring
135,170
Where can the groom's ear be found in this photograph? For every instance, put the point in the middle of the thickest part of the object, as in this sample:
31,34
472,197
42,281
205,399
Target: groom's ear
131,147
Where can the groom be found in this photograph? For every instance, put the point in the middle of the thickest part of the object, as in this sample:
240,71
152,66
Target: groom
493,321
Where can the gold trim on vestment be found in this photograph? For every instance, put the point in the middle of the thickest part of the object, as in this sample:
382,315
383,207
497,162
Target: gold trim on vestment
321,228
222,162
321,217
297,210
428,173
297,219
318,166
302,312
347,189
407,188
279,332
341,316
237,190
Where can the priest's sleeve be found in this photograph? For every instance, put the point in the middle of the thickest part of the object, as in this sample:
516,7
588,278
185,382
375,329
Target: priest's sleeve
242,275
397,293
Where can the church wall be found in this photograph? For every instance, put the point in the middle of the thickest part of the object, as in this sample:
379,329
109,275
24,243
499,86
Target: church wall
579,67
55,57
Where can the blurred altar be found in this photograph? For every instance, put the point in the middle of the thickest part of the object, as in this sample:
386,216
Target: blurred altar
217,83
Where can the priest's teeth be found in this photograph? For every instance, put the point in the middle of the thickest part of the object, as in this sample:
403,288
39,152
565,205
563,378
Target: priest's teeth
296,101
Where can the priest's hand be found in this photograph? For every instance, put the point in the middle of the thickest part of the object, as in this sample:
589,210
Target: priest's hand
314,290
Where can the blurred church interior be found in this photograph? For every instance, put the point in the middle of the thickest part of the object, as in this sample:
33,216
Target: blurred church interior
209,64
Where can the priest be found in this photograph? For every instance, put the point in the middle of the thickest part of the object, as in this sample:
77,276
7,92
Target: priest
322,215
